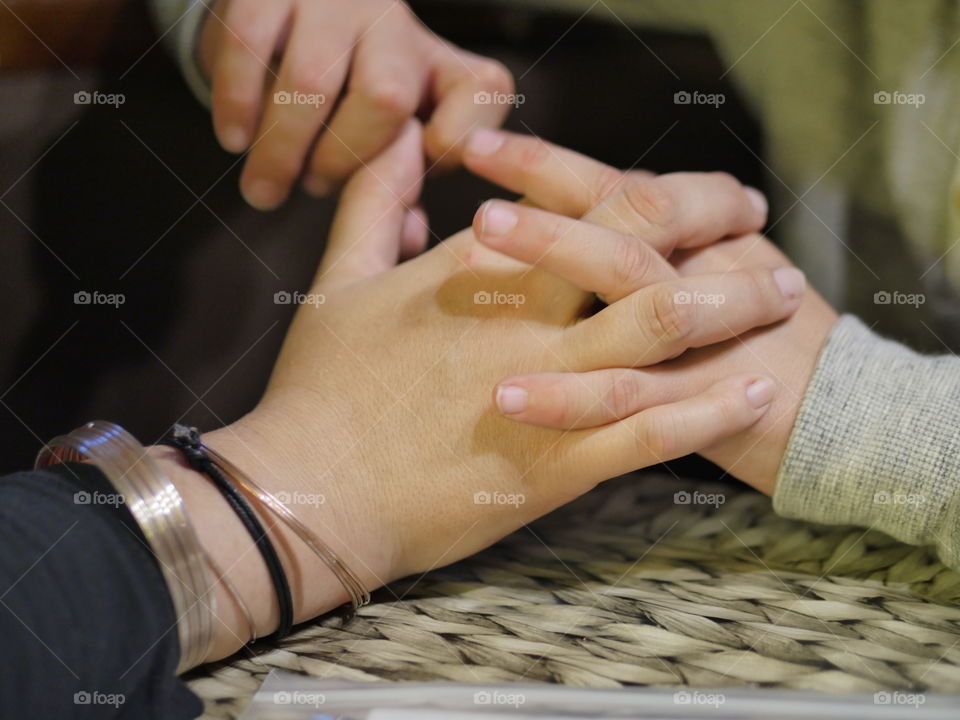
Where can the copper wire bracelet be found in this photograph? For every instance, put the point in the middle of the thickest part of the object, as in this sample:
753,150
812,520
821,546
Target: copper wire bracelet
359,596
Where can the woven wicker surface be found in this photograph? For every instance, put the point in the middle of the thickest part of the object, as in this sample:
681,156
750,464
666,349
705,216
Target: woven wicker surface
628,587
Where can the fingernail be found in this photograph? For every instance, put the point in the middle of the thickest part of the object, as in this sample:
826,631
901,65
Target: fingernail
233,138
759,200
498,219
484,141
760,392
317,186
263,195
511,399
791,282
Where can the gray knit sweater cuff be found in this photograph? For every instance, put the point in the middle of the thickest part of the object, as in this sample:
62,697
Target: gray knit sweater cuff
179,23
877,442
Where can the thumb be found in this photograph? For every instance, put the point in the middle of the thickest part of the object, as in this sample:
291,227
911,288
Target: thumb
368,229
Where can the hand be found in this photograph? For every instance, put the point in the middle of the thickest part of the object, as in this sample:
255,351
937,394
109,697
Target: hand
373,57
380,399
662,214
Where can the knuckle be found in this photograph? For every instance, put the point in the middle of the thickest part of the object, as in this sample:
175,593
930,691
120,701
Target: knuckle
664,320
727,183
390,98
532,153
604,184
632,260
494,75
305,77
727,408
762,287
623,396
652,201
656,439
244,27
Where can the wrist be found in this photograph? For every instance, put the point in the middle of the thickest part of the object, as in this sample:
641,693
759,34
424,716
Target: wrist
257,445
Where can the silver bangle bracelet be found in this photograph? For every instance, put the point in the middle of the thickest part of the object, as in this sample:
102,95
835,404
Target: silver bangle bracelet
159,511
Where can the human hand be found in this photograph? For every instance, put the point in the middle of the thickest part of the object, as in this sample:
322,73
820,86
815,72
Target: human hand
380,399
658,213
372,56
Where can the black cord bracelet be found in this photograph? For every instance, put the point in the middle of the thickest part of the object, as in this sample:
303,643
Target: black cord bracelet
187,440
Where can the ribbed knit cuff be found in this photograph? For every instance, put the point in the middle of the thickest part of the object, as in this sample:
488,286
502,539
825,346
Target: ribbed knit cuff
877,442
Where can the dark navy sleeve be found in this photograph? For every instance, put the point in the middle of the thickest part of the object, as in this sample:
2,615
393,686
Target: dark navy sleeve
87,627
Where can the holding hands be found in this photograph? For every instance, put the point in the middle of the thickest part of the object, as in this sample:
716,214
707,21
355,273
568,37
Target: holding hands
381,396
629,225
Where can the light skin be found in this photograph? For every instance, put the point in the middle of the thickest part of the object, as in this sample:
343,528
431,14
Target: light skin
374,64
669,222
381,397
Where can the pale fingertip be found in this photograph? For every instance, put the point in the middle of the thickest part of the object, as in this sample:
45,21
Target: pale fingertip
317,186
758,200
484,141
497,219
791,281
760,393
233,139
263,195
512,399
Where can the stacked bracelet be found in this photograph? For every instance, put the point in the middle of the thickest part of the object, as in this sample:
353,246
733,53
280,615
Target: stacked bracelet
158,509
187,441
359,595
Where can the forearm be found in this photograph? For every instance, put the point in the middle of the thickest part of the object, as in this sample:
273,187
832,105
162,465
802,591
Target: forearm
314,589
877,442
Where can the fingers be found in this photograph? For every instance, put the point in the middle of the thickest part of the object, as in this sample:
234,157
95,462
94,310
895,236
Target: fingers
570,401
675,210
386,83
470,92
373,221
593,258
682,210
670,431
552,177
313,70
248,35
664,320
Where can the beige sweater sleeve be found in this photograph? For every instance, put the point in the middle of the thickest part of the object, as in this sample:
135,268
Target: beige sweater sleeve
877,442
178,23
